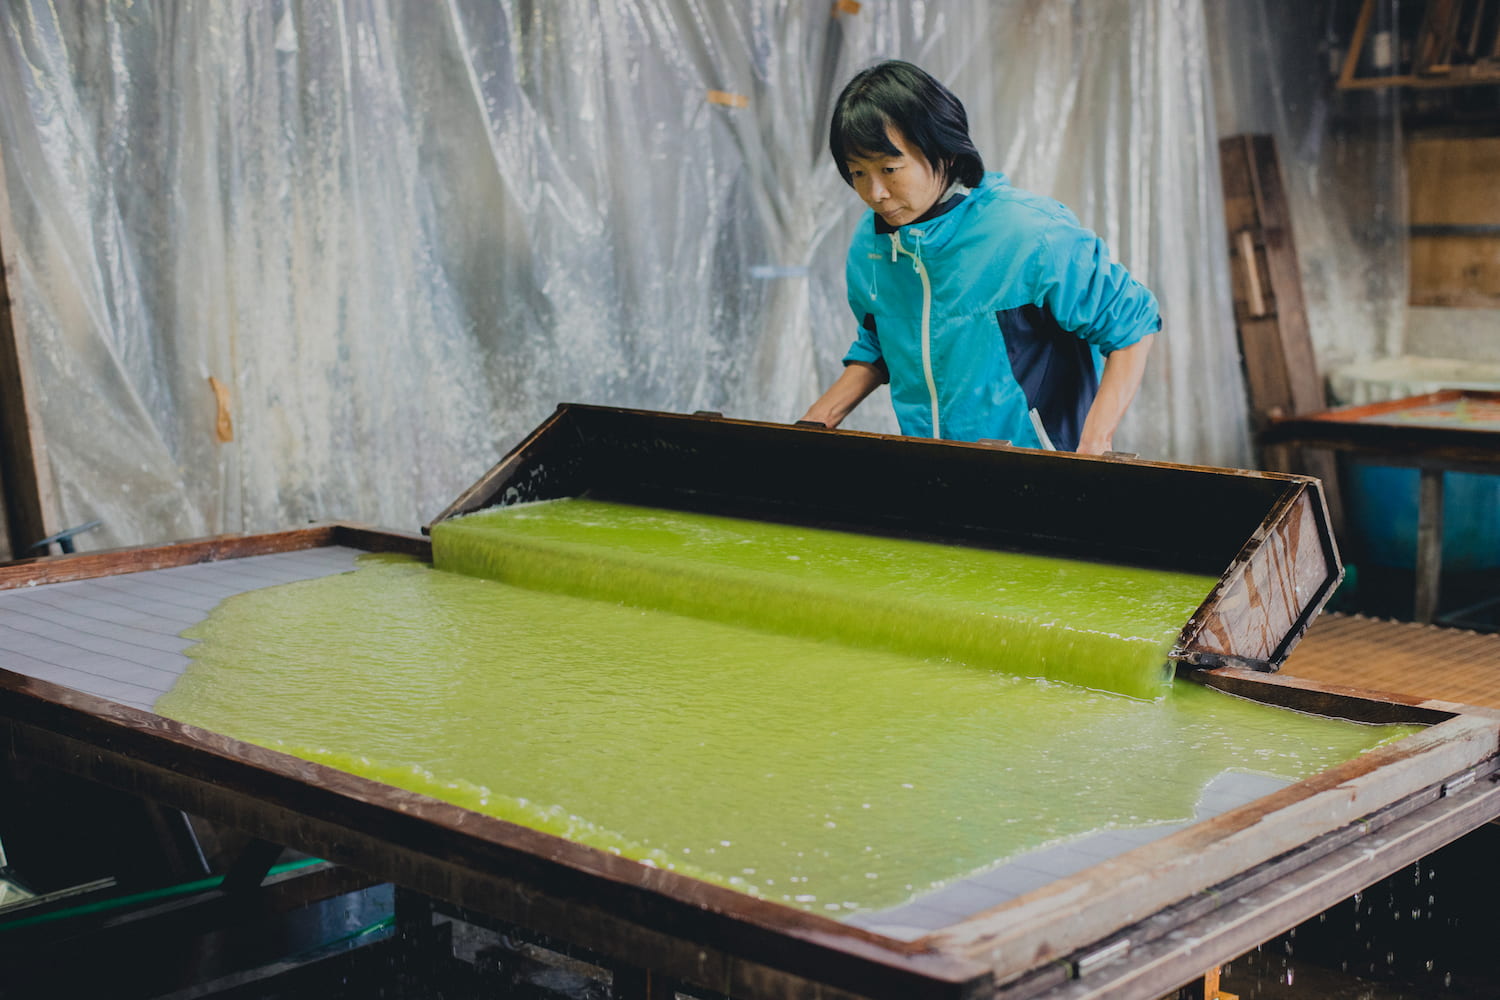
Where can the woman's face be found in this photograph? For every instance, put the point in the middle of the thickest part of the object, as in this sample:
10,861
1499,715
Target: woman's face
899,188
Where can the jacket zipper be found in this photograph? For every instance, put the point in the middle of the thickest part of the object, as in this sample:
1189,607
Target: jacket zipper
916,261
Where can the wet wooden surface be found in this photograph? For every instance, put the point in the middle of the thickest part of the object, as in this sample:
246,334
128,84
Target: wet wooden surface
1403,658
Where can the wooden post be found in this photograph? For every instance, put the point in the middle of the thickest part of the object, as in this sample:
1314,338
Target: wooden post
1429,545
25,478
1206,988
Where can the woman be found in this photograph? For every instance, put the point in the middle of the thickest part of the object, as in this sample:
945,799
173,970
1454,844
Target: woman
986,307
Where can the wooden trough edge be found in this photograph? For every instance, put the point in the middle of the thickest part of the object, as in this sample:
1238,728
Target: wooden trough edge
1054,920
1175,945
40,570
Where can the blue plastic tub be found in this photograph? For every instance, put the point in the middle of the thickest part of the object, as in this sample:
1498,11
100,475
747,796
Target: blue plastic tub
1381,508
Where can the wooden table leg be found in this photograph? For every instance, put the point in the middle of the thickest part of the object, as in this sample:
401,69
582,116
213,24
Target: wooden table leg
1206,988
1429,545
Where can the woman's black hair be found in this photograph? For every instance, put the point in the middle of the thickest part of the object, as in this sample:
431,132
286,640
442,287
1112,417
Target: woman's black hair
898,95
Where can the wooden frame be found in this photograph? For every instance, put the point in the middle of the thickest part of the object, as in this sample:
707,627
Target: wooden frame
749,948
1361,429
1265,534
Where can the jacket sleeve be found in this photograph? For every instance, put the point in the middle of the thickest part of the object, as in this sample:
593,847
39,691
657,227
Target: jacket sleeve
1091,294
866,346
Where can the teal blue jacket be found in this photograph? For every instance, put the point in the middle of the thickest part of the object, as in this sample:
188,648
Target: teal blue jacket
1000,304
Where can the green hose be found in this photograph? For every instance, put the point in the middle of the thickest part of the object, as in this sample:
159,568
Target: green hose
150,895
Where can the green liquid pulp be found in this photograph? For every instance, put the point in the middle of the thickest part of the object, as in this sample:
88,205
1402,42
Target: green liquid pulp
1085,623
825,773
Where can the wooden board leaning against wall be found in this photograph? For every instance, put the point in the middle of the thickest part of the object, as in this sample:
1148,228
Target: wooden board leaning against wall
27,507
1270,316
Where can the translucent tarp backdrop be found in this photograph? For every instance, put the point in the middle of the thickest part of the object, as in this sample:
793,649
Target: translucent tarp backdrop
401,232
1341,161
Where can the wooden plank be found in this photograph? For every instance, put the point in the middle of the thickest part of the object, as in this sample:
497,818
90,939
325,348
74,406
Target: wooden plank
1356,45
1429,545
1327,697
110,562
1453,181
25,476
1284,276
1281,370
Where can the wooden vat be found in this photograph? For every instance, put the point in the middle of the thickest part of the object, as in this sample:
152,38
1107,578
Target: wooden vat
1134,925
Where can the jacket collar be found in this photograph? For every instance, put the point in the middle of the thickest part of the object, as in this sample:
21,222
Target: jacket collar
950,200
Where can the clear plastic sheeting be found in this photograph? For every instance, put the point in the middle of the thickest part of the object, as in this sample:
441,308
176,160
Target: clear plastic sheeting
1341,161
400,233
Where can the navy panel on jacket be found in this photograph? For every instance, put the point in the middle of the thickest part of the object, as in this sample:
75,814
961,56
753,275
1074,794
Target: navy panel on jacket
1055,369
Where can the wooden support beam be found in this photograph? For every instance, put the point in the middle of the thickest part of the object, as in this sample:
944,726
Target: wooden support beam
25,478
1429,545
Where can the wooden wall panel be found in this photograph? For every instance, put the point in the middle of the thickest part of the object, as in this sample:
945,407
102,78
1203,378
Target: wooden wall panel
1454,209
